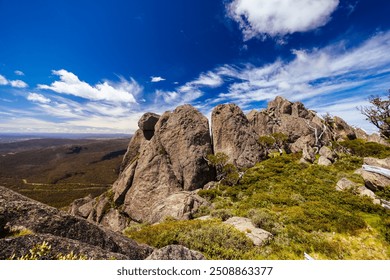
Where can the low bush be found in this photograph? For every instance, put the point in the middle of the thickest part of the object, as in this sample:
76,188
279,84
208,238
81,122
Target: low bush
361,148
214,239
222,214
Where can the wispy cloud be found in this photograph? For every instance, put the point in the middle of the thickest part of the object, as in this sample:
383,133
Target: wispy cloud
280,17
19,73
117,92
18,84
208,79
156,79
190,91
311,73
36,97
13,83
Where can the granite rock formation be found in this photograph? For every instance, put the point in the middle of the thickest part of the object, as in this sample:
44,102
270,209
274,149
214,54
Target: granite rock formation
164,164
233,135
18,211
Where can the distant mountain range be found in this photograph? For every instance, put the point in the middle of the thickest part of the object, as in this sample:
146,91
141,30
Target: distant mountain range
16,137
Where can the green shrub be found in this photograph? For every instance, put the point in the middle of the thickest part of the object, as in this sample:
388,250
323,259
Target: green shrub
384,193
209,194
214,239
222,214
227,173
297,203
202,211
265,219
361,148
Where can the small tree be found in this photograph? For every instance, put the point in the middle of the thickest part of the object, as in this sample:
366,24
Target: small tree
227,173
318,133
267,142
276,140
379,114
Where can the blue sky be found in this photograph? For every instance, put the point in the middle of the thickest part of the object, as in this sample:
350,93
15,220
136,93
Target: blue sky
97,66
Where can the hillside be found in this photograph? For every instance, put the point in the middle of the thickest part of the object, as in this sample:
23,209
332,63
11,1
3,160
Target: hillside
296,202
57,171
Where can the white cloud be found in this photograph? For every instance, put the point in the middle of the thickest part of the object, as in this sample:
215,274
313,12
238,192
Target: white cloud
208,79
36,97
156,79
18,84
167,96
19,73
3,81
280,17
190,91
176,98
121,92
13,83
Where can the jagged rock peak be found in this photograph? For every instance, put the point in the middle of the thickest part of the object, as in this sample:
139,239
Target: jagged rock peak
233,135
160,173
281,105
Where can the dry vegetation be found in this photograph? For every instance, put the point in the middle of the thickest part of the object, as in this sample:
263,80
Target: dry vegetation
63,170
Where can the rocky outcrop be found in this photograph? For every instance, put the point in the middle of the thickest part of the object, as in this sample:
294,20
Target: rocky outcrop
20,211
301,125
257,235
233,135
292,119
165,161
175,252
164,164
170,162
342,130
56,247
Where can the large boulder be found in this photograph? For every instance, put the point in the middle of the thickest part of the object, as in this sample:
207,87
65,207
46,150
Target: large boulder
56,247
374,180
342,130
180,205
175,252
19,211
345,184
74,208
327,153
324,161
164,164
308,154
233,136
160,171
